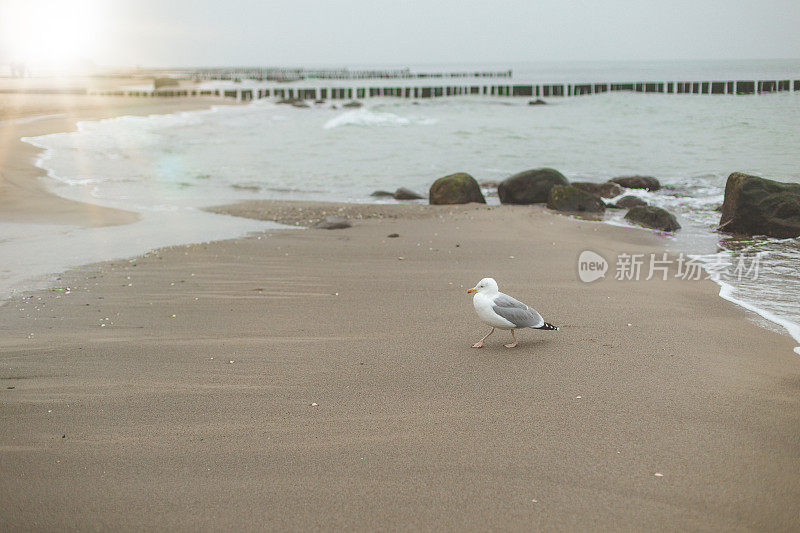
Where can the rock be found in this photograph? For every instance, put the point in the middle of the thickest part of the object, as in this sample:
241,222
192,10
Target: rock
652,217
165,82
353,104
626,202
459,188
406,194
605,190
319,102
530,186
538,101
333,222
758,206
289,101
381,193
393,235
637,182
574,200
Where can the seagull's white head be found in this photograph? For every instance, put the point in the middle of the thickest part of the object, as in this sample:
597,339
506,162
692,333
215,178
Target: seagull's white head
486,286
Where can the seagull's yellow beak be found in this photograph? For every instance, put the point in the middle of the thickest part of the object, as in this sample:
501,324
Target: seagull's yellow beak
471,290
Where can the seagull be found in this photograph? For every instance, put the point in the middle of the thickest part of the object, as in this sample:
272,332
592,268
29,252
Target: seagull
504,312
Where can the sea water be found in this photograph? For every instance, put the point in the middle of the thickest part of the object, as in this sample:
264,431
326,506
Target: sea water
168,167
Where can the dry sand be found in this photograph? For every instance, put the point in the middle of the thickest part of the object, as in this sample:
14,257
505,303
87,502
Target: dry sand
313,379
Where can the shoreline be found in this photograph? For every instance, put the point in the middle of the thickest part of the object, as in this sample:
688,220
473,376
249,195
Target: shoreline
23,198
328,383
22,187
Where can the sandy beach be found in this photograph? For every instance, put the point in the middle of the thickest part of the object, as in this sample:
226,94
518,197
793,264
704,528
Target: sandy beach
316,380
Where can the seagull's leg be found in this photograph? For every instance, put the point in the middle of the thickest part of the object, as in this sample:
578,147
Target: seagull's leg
513,343
479,344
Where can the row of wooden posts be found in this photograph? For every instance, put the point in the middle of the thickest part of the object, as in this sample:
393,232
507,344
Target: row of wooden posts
276,74
545,90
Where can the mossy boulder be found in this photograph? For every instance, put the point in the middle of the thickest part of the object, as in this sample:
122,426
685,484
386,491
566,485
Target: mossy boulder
459,188
758,206
626,202
574,200
652,217
530,186
637,182
604,190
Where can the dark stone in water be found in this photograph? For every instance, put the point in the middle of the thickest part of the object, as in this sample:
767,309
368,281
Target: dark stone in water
530,186
604,190
379,194
626,202
319,102
637,182
289,101
243,187
333,222
406,194
758,206
538,101
165,82
393,235
353,104
574,200
459,188
653,217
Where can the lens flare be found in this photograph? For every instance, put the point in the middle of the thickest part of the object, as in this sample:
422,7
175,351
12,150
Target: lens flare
51,34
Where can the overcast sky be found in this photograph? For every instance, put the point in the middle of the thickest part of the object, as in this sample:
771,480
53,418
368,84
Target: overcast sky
397,32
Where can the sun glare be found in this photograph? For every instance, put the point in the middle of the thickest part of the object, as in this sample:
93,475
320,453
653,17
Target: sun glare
52,34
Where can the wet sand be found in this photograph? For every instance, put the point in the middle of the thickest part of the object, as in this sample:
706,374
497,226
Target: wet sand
313,379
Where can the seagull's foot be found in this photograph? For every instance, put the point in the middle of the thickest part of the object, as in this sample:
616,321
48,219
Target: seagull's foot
512,345
478,345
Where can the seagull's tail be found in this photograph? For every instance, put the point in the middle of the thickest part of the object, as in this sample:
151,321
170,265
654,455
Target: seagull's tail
548,326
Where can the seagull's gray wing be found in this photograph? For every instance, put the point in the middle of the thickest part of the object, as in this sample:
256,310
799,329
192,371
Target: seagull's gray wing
516,312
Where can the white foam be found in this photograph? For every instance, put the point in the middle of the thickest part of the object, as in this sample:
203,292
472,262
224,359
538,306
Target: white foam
726,291
365,117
